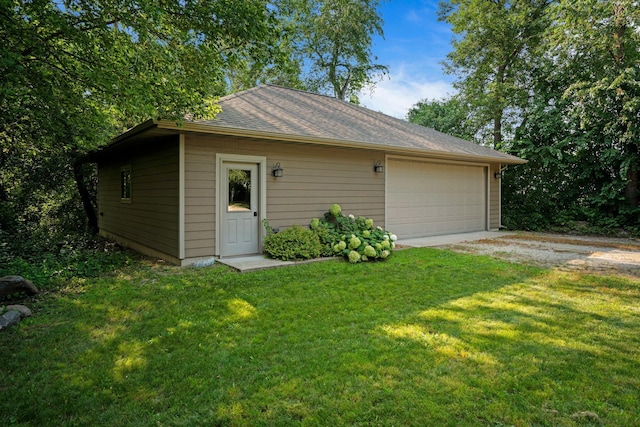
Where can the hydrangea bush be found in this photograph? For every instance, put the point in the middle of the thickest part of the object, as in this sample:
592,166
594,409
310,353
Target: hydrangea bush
355,238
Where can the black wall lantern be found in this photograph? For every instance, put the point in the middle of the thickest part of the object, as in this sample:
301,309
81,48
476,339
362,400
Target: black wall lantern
277,171
498,174
378,168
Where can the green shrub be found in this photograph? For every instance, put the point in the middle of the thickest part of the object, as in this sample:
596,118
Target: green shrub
54,266
357,239
293,243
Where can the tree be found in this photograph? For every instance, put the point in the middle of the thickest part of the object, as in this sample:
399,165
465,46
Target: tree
556,83
75,73
280,67
598,43
445,115
495,45
580,133
332,40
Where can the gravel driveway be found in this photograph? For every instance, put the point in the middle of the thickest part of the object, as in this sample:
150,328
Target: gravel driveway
566,252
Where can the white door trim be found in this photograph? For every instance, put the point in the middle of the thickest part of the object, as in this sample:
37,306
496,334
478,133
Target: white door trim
261,161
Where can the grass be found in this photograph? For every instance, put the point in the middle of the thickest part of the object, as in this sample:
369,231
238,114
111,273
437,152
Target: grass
428,337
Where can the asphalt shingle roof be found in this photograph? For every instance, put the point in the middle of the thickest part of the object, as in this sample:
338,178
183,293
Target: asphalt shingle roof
277,110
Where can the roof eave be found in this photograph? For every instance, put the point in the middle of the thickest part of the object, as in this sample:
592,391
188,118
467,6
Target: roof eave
93,156
223,130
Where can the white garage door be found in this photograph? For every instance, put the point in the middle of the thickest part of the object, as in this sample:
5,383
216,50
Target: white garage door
428,199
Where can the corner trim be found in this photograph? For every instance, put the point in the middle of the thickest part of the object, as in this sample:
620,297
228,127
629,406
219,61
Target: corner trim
181,196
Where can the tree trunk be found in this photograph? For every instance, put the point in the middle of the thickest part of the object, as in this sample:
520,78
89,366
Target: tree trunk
497,130
85,196
498,107
633,186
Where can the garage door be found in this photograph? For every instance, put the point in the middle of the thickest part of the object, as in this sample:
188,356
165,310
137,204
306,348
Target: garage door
428,199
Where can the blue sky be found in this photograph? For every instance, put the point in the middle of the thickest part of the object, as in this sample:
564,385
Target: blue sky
414,46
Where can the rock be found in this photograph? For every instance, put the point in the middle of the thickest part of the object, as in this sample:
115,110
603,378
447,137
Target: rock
13,284
8,319
24,311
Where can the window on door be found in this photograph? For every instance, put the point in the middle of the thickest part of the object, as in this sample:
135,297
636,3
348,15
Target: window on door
125,184
239,190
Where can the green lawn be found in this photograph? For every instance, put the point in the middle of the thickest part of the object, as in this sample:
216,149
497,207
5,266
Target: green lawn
429,337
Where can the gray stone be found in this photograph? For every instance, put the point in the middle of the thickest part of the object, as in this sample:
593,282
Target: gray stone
9,319
13,284
24,311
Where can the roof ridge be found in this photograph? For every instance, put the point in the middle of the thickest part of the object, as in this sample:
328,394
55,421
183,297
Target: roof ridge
308,92
238,94
364,109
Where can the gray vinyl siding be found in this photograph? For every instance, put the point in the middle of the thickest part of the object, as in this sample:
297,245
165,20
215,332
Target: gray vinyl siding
314,178
494,198
200,193
151,218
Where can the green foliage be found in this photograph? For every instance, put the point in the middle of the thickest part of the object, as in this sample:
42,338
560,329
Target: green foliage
556,83
331,41
55,265
450,116
495,45
354,238
325,235
293,243
335,235
578,136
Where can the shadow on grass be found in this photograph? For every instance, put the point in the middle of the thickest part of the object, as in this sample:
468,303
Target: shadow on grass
428,338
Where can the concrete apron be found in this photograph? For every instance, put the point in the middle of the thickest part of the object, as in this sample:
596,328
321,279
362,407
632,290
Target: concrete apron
260,262
452,239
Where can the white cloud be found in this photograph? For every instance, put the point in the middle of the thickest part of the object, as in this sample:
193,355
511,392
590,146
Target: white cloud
401,90
413,16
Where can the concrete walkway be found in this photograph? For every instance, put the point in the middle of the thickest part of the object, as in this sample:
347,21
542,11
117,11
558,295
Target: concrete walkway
260,262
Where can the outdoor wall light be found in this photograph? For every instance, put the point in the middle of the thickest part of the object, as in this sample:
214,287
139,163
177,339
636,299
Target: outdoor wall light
498,174
277,171
378,168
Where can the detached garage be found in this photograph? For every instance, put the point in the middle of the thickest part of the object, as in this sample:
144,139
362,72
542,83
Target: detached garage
192,191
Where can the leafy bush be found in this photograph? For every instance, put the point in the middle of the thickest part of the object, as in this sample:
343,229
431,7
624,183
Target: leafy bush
49,267
335,235
292,243
354,238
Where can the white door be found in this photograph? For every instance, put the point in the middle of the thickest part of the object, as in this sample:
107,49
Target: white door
240,218
428,199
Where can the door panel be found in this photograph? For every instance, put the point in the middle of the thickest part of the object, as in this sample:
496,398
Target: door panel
426,199
240,217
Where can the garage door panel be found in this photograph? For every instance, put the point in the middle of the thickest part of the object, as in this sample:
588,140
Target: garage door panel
427,199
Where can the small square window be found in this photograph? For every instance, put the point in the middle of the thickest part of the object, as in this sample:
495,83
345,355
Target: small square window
125,184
